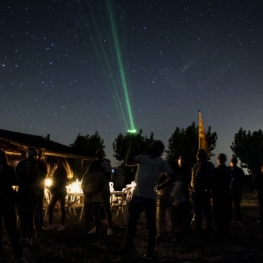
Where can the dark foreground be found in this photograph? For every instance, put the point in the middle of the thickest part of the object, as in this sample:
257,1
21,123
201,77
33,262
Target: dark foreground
243,245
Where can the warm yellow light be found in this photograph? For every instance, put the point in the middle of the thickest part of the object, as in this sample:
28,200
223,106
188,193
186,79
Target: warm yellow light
48,182
74,187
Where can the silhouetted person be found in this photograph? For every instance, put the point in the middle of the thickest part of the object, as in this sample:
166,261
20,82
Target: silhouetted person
150,168
237,177
201,183
258,186
106,169
40,187
179,196
92,184
163,216
222,201
7,208
28,179
59,192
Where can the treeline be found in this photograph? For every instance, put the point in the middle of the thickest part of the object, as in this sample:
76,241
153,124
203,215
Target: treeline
247,146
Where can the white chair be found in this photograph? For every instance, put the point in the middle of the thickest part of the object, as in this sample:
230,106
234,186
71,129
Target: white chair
75,201
82,211
120,202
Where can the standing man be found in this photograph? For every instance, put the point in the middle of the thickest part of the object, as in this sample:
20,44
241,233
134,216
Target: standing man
7,208
201,184
222,201
237,176
28,179
106,169
150,168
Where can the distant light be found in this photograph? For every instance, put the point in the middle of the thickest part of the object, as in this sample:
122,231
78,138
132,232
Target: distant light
132,131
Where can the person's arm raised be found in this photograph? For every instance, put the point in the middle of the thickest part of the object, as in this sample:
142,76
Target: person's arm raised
129,158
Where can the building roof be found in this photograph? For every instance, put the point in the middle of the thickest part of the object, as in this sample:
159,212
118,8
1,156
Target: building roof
24,141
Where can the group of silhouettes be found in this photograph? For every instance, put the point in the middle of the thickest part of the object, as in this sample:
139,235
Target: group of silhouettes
165,190
22,209
212,189
174,193
24,201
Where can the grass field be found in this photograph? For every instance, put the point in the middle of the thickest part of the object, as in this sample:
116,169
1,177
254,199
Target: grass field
243,245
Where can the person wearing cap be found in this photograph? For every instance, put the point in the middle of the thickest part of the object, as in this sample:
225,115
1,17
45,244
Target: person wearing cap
201,183
106,169
237,177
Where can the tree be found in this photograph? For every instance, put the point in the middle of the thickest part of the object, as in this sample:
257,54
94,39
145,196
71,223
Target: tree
186,141
248,148
121,144
88,145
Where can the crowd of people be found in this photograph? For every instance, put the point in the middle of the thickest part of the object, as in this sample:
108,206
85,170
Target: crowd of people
22,209
173,195
179,198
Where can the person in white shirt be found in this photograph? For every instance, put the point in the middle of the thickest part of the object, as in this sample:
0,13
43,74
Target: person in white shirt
150,168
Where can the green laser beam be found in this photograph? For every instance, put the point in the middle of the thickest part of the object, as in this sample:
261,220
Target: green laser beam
115,60
108,69
120,65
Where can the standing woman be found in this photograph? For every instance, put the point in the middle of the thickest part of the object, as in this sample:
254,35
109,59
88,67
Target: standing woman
179,196
59,192
93,182
7,208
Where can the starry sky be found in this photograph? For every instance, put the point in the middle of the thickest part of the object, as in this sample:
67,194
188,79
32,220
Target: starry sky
70,67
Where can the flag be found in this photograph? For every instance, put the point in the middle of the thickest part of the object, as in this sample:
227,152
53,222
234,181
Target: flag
203,143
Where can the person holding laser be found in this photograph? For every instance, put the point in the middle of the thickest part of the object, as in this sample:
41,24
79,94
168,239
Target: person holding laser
150,168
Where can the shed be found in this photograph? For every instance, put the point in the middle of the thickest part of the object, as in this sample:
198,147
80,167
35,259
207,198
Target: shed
15,145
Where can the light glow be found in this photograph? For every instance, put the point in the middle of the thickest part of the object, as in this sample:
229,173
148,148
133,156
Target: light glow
132,131
48,182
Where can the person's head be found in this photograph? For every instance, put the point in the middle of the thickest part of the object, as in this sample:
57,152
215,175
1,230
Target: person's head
31,153
156,149
172,161
233,162
261,169
183,160
221,159
201,155
100,154
94,166
3,158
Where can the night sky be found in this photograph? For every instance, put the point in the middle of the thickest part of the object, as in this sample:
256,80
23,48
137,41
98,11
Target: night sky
70,67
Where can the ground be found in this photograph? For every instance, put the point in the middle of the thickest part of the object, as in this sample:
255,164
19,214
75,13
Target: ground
243,245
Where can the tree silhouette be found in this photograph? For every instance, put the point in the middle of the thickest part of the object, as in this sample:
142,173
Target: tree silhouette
186,141
88,145
248,148
121,143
